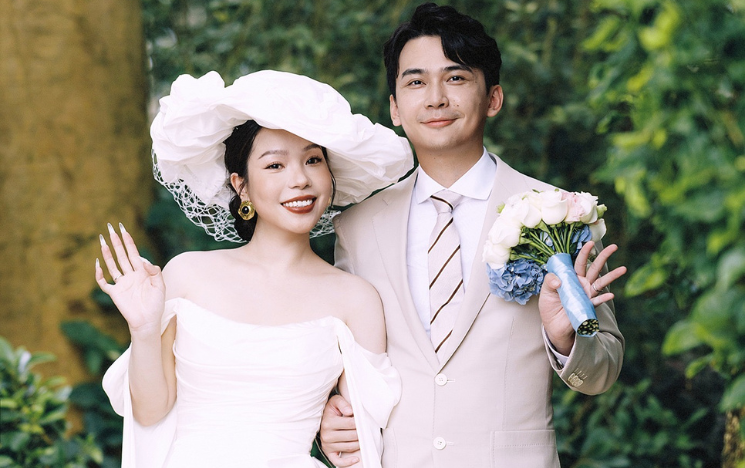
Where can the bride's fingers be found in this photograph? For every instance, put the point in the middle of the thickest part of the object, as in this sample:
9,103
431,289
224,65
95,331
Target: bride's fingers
580,264
129,244
108,259
154,271
121,253
105,287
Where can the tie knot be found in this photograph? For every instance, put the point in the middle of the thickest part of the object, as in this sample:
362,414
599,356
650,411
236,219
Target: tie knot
445,201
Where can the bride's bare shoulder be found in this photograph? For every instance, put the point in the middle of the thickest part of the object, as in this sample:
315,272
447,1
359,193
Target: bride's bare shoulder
353,289
189,268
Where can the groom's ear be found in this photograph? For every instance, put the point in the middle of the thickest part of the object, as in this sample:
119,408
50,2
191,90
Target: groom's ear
394,111
496,98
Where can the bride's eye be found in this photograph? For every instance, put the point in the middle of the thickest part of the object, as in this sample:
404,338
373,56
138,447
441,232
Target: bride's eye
314,160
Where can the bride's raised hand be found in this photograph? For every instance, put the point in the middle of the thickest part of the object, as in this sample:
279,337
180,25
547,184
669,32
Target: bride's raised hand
138,290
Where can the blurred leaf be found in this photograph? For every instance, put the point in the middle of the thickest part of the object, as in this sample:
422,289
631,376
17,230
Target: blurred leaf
646,278
681,337
734,396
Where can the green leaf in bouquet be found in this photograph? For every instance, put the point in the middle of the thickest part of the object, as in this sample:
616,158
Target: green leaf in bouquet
647,278
681,337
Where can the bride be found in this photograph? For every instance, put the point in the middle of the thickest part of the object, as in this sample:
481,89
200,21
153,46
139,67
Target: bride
234,352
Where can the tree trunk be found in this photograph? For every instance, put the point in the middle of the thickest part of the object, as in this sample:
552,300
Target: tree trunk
73,156
733,454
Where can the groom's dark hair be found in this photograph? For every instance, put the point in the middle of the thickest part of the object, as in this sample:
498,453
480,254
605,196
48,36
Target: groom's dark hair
464,41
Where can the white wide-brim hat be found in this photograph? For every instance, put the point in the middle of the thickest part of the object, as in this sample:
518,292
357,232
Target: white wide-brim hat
200,114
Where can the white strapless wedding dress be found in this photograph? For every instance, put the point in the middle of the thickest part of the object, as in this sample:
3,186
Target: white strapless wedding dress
252,396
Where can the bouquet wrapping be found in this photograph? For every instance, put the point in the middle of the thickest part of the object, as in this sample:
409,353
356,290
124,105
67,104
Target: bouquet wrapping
538,232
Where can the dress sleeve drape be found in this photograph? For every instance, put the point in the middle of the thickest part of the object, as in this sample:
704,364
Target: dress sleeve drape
142,446
374,388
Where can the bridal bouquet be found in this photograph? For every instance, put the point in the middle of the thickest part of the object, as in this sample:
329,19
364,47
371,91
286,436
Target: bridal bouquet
538,232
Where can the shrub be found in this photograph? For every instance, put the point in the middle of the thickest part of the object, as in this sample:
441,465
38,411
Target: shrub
32,416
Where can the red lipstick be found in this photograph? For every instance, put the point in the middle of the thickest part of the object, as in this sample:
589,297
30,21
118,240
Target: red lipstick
300,205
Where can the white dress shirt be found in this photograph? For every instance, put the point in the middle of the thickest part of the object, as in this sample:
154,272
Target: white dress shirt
468,218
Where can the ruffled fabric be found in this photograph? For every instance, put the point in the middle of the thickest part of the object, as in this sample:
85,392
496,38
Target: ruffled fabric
200,113
260,403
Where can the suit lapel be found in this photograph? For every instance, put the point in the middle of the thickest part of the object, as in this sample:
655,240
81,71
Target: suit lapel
507,182
391,232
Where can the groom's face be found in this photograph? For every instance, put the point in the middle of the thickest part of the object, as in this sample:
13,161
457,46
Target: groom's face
442,105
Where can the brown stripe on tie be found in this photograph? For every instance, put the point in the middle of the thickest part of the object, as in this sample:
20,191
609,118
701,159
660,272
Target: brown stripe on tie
439,235
444,201
443,341
446,303
443,267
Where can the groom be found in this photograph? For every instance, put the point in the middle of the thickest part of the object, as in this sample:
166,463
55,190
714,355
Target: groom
476,370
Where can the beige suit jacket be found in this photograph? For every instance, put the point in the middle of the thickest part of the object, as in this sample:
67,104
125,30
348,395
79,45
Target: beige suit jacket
488,404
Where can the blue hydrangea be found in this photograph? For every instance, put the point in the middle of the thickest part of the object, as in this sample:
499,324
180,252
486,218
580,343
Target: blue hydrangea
517,281
581,237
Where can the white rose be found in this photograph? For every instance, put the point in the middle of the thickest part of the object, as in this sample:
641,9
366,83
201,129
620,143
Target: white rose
509,216
553,207
495,255
574,208
597,229
589,207
505,234
526,213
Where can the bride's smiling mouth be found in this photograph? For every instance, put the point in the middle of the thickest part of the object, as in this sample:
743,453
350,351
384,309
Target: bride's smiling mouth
300,205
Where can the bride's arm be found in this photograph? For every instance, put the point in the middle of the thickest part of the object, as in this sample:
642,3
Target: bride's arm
366,321
139,294
364,316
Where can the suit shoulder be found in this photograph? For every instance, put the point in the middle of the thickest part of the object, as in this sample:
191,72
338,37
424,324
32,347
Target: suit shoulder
366,208
530,183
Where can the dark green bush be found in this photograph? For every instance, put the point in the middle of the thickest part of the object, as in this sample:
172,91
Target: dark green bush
32,416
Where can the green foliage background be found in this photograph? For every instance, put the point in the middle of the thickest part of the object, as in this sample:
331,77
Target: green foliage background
637,101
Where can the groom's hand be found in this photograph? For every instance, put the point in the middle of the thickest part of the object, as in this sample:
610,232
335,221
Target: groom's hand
338,432
555,321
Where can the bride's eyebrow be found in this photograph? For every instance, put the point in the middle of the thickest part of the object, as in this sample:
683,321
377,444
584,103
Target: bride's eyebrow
311,146
271,152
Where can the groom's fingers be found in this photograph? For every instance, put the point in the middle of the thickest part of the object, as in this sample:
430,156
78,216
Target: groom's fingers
342,460
341,405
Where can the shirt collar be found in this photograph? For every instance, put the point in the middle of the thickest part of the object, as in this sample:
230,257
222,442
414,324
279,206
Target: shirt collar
477,183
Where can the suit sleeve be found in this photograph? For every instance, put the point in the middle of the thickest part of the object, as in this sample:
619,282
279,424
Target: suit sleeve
594,362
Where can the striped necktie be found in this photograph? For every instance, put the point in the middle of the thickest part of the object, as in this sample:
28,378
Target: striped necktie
446,289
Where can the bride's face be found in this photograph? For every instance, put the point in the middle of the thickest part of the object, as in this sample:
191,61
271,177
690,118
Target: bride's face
289,181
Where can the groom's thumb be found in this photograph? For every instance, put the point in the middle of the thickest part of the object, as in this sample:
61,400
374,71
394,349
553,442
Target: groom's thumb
552,281
341,405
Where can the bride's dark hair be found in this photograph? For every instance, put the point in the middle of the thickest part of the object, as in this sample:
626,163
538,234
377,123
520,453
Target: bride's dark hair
237,148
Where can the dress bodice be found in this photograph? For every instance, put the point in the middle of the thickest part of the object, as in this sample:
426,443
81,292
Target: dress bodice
263,387
252,395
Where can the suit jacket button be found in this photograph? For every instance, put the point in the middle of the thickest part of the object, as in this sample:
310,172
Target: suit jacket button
439,443
441,379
